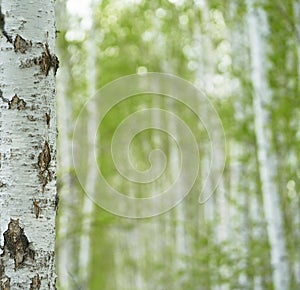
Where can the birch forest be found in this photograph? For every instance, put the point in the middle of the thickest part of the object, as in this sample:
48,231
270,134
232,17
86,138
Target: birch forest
237,224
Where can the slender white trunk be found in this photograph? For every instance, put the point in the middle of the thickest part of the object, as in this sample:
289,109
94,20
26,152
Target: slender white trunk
243,185
296,265
65,245
92,171
157,226
257,232
240,214
180,232
222,227
258,31
65,249
297,23
28,201
205,67
210,219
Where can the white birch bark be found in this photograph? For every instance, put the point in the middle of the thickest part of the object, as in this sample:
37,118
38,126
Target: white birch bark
258,31
28,145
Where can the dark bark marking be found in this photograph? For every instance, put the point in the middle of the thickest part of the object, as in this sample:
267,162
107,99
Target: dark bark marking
4,280
31,118
56,202
1,269
2,27
36,209
22,45
16,103
35,283
44,157
5,283
3,99
28,63
47,116
44,160
47,61
55,63
16,244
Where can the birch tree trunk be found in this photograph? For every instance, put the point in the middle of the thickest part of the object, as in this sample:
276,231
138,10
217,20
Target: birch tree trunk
258,32
28,200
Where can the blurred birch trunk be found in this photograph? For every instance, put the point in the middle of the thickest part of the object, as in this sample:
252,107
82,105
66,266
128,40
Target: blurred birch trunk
67,238
91,177
262,95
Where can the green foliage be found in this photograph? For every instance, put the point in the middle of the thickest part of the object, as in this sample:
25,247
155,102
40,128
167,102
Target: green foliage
164,36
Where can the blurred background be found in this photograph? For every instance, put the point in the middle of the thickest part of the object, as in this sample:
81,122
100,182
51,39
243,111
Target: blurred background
245,56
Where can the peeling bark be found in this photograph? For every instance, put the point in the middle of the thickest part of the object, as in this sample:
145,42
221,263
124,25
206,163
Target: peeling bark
44,160
16,244
16,103
45,61
21,45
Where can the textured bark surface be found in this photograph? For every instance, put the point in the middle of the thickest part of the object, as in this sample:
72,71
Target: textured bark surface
28,200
